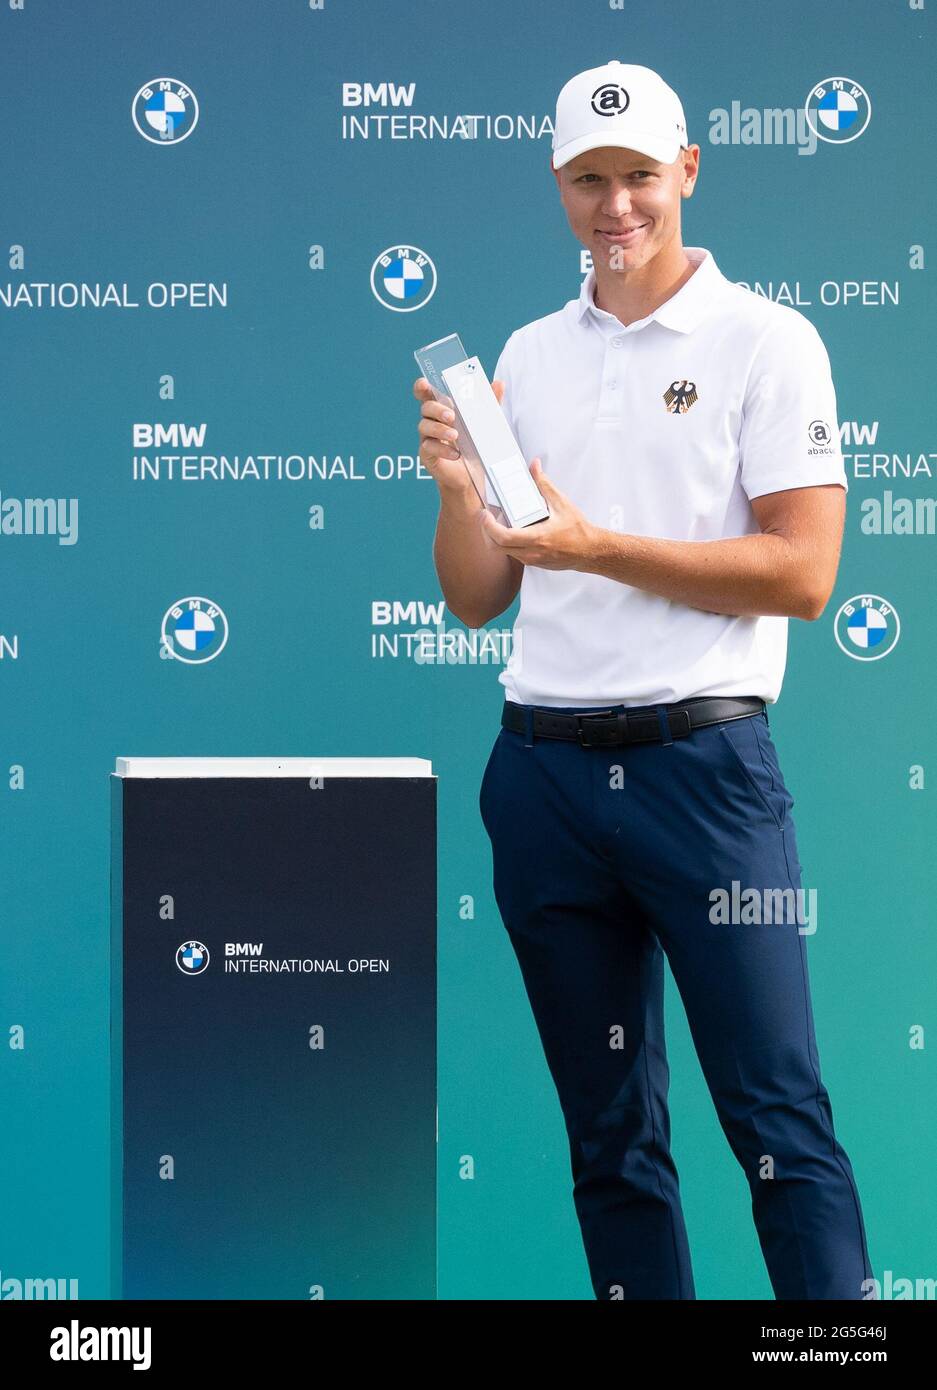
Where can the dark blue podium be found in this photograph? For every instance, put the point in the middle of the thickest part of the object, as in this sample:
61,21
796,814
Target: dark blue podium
273,1028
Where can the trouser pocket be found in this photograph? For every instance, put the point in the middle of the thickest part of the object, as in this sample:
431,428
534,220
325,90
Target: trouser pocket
751,751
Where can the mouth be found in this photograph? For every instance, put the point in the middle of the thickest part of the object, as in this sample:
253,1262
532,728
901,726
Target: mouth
623,237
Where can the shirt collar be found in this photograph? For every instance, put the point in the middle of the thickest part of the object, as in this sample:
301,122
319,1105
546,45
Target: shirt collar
682,311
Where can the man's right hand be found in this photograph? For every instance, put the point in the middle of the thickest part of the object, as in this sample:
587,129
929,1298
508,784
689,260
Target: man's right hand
478,579
439,444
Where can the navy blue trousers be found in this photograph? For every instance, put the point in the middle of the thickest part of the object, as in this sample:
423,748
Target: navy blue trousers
605,860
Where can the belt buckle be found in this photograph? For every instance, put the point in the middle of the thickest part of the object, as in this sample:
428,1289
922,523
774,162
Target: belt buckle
681,733
593,714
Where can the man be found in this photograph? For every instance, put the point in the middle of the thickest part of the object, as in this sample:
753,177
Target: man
684,434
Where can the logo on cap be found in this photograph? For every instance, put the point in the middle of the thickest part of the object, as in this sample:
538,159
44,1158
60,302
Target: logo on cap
610,100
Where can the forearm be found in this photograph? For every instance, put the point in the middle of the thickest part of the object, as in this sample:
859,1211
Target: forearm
478,581
758,574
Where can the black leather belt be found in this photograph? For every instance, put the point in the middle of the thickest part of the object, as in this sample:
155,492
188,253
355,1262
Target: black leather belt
606,728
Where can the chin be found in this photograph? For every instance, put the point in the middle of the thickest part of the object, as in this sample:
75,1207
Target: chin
617,258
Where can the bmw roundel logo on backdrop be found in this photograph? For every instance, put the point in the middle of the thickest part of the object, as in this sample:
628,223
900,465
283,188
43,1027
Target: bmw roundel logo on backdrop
192,958
194,630
838,110
867,627
403,278
165,111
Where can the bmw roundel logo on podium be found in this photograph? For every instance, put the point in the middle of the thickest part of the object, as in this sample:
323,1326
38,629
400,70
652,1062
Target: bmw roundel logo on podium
192,958
165,111
194,630
403,278
838,110
867,627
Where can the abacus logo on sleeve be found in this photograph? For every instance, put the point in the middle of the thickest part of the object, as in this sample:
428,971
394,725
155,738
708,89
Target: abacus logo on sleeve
822,438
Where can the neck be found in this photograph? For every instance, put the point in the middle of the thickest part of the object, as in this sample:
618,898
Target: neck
633,294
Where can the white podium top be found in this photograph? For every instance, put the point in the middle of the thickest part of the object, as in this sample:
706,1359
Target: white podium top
273,767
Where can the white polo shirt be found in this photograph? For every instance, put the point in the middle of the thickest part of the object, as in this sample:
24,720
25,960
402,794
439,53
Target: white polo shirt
666,427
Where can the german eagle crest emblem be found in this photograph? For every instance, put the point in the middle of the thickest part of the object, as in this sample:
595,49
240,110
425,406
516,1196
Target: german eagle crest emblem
679,396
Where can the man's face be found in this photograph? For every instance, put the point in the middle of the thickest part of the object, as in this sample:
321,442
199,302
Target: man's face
616,190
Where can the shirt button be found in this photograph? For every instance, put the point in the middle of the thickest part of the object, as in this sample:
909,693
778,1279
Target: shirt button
612,385
616,342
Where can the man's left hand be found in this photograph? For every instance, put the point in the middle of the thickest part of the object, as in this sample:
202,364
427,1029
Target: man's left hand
562,542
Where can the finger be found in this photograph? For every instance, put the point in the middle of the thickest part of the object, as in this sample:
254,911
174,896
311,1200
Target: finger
542,480
498,388
424,392
438,449
432,450
434,453
495,530
435,410
422,389
429,429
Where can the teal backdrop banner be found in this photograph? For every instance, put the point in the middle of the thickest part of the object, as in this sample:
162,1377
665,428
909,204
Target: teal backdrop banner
224,230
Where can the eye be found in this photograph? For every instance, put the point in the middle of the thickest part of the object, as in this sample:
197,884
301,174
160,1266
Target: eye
641,174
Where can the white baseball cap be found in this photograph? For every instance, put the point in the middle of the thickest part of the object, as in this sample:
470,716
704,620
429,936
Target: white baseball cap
619,104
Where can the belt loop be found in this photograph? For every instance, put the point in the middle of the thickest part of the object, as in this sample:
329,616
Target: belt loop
662,719
528,726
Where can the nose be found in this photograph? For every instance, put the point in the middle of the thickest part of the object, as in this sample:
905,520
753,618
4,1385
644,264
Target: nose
618,202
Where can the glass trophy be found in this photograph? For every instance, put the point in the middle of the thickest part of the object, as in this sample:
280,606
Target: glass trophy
489,450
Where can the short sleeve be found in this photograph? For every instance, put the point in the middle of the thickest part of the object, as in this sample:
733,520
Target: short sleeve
503,372
790,432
